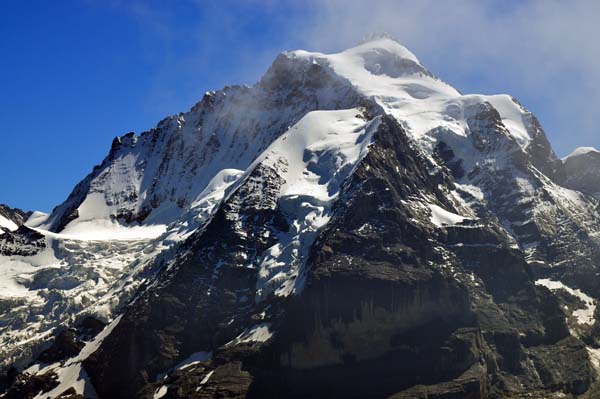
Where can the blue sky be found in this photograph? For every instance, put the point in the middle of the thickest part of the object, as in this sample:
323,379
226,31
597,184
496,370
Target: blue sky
74,74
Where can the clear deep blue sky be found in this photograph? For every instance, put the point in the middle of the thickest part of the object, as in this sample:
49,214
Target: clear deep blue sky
74,74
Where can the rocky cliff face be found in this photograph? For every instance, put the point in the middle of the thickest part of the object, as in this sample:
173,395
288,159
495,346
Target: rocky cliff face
351,226
15,238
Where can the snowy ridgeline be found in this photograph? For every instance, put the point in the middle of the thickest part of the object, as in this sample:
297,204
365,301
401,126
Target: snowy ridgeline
428,107
582,151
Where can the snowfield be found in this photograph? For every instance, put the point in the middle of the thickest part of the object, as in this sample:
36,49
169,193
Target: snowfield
441,217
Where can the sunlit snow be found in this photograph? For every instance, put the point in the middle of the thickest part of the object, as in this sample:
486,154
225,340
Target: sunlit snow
583,316
9,224
314,157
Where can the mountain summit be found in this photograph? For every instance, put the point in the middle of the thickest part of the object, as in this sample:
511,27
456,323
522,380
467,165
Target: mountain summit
349,226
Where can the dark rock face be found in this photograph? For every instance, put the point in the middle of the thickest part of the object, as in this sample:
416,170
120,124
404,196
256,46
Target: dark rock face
7,378
89,327
447,158
373,310
178,318
70,393
388,299
23,242
540,152
29,386
66,345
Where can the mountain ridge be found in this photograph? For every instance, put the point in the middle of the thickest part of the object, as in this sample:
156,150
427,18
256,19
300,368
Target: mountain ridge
350,217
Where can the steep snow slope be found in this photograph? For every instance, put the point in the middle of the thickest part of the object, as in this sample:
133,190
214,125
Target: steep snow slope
313,159
7,224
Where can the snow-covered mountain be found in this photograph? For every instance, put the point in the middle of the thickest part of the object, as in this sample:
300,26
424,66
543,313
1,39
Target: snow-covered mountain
582,171
175,168
350,226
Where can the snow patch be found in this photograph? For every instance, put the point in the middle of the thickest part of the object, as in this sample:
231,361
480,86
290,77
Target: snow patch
473,190
205,204
583,316
192,360
205,380
594,354
160,392
258,333
441,217
95,223
15,271
105,230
